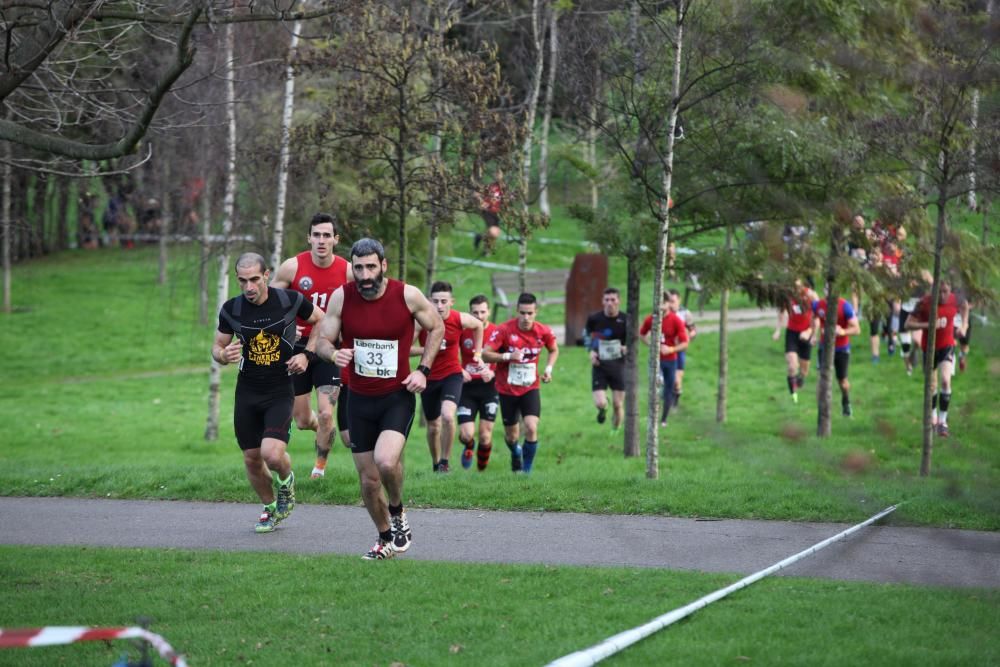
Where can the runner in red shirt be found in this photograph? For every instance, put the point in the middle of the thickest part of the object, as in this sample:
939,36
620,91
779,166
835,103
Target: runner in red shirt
673,339
795,317
479,393
374,318
515,347
444,385
491,201
316,273
847,325
949,306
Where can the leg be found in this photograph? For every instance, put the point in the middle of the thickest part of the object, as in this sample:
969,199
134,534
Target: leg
600,397
447,426
618,399
326,399
258,475
302,413
371,490
434,441
530,442
275,455
485,443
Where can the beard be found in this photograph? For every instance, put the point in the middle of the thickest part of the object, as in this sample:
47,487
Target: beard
370,288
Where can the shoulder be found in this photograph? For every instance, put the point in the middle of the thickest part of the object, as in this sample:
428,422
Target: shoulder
286,271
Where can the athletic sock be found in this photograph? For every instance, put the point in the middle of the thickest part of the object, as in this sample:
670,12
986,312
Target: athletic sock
944,403
792,383
483,455
529,454
468,444
934,402
677,399
284,482
395,510
385,535
443,463
845,399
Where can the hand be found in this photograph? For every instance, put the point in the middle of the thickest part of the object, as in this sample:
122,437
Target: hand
297,364
466,376
517,354
806,335
415,382
546,377
776,335
343,357
486,374
665,350
838,331
594,359
232,352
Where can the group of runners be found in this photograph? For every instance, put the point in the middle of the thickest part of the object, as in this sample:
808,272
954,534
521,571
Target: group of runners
347,330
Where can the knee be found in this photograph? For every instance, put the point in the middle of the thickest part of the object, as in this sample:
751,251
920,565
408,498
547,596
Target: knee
303,418
325,416
371,482
434,426
447,414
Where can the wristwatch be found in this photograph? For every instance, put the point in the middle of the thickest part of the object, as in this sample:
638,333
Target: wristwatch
425,369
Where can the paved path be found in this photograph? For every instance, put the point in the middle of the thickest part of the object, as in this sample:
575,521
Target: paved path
927,556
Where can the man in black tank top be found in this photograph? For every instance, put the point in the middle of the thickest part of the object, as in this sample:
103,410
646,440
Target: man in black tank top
381,392
257,329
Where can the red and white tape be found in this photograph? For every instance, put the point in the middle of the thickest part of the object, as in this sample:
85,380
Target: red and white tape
53,635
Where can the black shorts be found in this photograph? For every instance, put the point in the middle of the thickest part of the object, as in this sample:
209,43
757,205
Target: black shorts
439,391
342,410
793,343
841,360
608,374
879,326
492,219
681,359
258,415
478,398
319,374
942,355
369,416
514,408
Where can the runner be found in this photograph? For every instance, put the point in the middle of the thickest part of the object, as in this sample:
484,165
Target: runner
673,339
479,393
606,330
795,317
316,273
444,385
516,347
950,308
262,320
374,318
491,202
692,331
847,325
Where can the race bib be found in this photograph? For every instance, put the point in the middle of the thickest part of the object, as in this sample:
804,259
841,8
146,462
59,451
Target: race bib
797,309
521,375
958,320
608,350
374,358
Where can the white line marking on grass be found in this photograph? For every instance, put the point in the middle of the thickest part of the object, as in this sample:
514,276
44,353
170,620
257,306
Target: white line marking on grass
612,645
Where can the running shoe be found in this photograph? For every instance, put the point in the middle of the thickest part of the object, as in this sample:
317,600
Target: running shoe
848,412
477,240
961,363
467,455
942,430
402,537
663,424
286,498
602,415
800,381
381,551
319,469
442,467
795,397
266,523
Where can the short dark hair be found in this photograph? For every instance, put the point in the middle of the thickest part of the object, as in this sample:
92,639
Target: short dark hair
673,292
249,259
612,290
441,286
478,299
367,246
526,298
320,218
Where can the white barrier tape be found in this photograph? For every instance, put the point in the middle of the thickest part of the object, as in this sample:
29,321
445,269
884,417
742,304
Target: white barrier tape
55,635
612,645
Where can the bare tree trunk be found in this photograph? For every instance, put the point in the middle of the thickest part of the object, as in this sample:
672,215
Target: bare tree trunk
632,358
663,236
592,135
62,185
8,227
824,386
166,211
432,248
538,34
286,140
543,140
721,395
206,251
973,128
228,206
930,335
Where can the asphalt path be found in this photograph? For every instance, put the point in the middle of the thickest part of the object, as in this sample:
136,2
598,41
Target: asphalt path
879,553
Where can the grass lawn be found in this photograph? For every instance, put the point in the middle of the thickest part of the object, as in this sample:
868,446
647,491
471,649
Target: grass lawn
270,609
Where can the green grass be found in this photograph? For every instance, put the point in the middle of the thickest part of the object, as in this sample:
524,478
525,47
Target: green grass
272,608
113,403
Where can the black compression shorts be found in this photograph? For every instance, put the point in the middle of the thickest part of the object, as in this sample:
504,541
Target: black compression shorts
438,391
942,355
478,398
515,407
608,374
841,360
793,343
319,374
258,415
369,416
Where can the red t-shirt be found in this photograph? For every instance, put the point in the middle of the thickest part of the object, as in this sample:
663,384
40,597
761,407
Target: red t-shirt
672,332
518,378
799,314
446,362
317,284
467,345
845,313
493,198
945,334
381,333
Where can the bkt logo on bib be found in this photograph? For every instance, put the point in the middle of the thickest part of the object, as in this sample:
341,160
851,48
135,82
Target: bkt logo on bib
305,283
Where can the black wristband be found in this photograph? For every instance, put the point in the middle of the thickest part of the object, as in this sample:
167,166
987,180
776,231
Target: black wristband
310,355
425,369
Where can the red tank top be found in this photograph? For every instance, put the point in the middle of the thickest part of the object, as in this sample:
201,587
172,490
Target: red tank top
381,333
446,362
468,346
799,315
317,283
945,336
